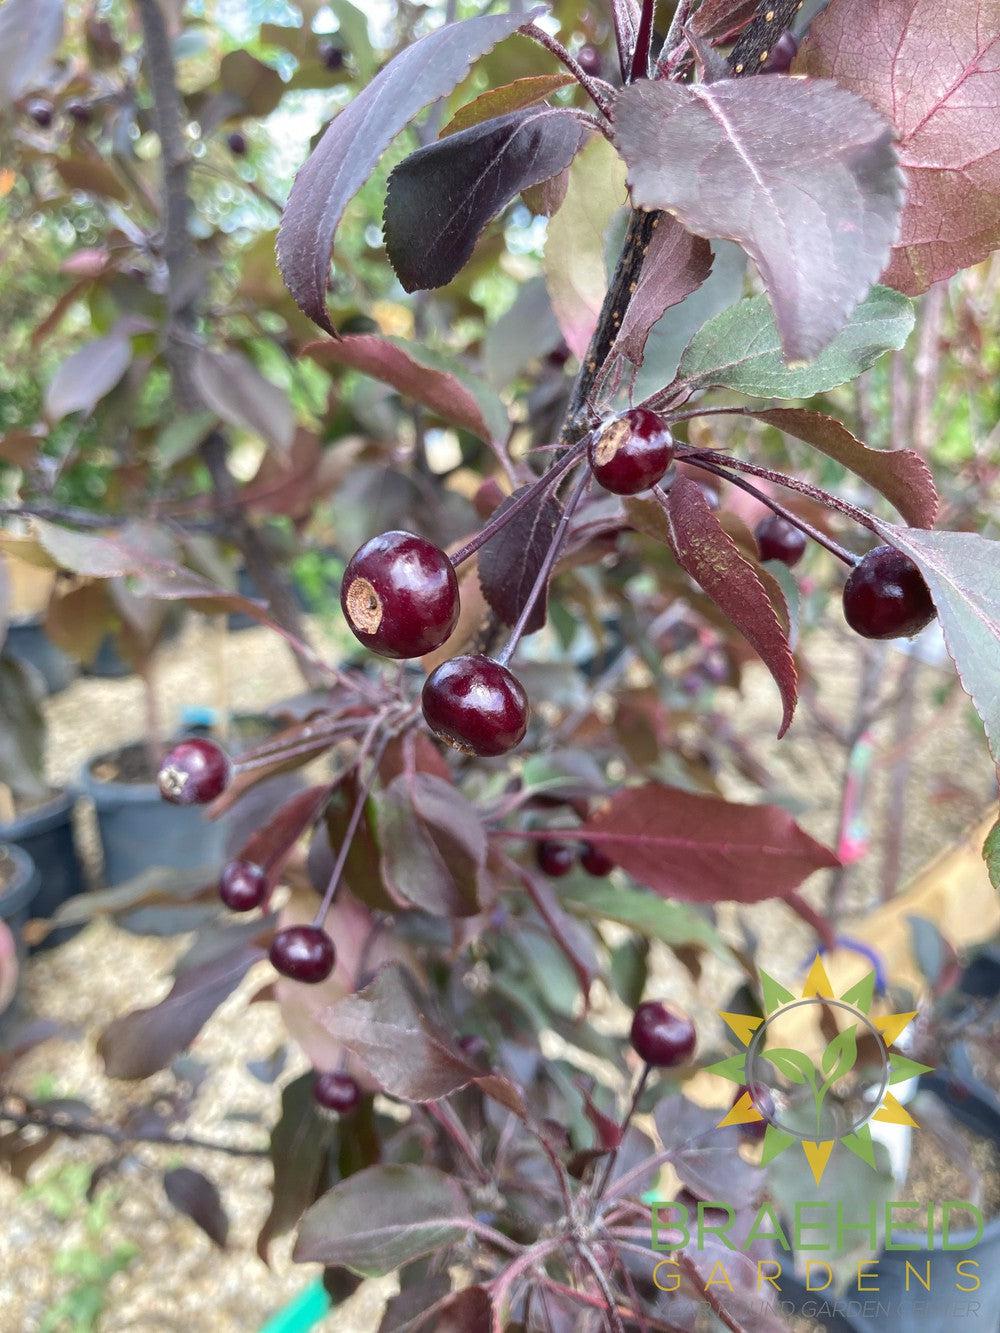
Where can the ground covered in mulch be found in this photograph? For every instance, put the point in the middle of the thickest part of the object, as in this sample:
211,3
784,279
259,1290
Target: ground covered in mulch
172,1277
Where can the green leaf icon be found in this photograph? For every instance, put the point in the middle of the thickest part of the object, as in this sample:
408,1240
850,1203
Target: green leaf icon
840,1055
793,1065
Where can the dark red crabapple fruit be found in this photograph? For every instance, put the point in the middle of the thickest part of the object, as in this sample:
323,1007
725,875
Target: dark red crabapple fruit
237,143
243,886
595,862
782,53
554,859
885,596
590,60
476,705
662,1036
400,595
632,452
336,1092
777,539
304,953
80,113
40,112
331,56
195,772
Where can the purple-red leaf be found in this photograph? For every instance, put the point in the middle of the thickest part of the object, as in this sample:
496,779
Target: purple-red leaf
509,562
386,1026
392,363
702,848
270,845
802,175
138,1044
197,1197
433,845
934,71
962,571
355,139
383,1217
901,475
443,195
706,1158
298,1156
676,264
710,556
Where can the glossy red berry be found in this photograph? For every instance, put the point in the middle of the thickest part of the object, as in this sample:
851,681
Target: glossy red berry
40,112
304,953
243,886
336,1092
662,1036
777,539
554,858
632,452
331,56
782,53
195,772
595,862
237,143
476,705
885,596
400,595
590,60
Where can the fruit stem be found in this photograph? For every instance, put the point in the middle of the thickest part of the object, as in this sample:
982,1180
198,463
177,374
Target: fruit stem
609,1166
817,493
821,538
312,740
545,572
533,492
352,824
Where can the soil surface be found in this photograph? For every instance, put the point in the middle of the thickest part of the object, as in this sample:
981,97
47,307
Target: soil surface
175,1278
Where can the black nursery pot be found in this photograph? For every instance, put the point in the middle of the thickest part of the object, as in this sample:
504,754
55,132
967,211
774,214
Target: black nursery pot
26,639
139,830
46,834
18,893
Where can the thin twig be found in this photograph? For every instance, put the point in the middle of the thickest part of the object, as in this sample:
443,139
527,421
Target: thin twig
592,87
36,1118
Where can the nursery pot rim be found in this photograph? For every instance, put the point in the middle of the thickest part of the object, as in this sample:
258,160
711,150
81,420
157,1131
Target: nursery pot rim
40,818
122,790
22,889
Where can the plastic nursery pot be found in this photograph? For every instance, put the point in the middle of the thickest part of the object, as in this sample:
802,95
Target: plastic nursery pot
45,832
18,887
138,829
27,640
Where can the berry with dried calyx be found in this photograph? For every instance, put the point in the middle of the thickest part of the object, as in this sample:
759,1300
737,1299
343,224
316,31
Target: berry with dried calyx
476,705
243,886
336,1092
632,452
662,1036
886,597
400,595
195,772
777,539
554,858
303,953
